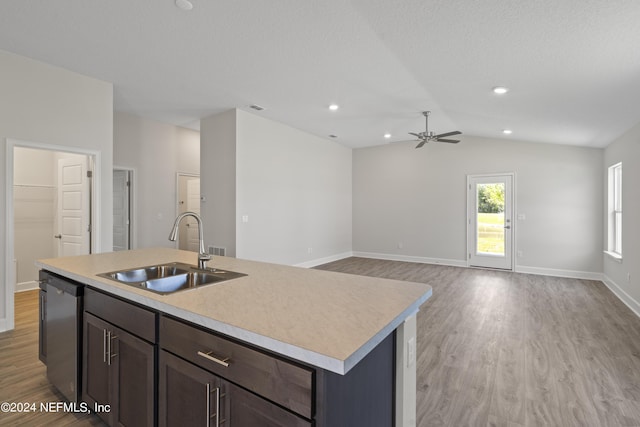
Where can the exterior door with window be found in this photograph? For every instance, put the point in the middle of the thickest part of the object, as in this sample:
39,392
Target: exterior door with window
490,221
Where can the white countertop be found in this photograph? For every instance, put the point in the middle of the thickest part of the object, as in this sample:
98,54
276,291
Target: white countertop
326,319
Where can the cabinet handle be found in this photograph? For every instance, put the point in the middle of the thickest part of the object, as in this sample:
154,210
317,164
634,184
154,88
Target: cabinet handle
104,346
42,307
224,362
110,356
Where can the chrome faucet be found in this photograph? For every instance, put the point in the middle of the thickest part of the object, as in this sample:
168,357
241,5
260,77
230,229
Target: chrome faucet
203,256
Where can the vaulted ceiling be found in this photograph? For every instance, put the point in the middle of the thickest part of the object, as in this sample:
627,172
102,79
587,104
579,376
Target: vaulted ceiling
572,66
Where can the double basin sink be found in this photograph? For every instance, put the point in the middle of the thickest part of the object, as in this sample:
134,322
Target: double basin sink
171,277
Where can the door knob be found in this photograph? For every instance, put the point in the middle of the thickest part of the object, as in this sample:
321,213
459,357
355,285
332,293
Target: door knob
58,236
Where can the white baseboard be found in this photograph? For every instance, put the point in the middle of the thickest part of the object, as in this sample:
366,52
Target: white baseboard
573,274
408,258
320,261
26,286
622,295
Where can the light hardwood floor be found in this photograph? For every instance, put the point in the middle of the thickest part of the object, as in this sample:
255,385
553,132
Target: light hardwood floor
507,349
494,349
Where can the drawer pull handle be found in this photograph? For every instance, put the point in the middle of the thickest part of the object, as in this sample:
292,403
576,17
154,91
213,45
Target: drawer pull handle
224,362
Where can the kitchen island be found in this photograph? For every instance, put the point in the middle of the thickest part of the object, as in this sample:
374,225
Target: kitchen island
327,324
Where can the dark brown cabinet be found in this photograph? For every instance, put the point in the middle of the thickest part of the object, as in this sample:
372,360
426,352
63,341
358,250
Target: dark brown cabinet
118,370
190,395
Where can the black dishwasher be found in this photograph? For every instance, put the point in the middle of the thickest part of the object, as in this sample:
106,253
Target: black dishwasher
63,332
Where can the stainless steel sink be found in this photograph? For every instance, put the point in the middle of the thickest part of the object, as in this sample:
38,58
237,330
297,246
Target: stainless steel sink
147,273
170,278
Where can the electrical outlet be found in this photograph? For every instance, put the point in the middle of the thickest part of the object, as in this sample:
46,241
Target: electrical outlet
520,254
309,250
400,245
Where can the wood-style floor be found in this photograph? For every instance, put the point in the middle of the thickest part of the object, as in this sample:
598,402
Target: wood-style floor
494,349
23,378
507,349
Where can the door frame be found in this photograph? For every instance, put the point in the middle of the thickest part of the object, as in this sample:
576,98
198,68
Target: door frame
95,158
514,229
177,201
133,208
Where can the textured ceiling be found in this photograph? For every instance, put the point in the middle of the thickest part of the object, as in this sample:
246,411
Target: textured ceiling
572,66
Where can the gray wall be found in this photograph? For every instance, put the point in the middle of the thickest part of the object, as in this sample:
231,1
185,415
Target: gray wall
417,197
218,180
157,152
623,277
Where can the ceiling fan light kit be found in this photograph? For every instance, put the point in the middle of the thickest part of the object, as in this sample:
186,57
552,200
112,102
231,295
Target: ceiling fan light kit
426,136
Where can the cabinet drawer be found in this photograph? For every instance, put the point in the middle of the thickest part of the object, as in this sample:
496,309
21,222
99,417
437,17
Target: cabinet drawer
130,317
278,380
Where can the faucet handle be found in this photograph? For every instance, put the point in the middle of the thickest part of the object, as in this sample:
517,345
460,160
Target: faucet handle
203,257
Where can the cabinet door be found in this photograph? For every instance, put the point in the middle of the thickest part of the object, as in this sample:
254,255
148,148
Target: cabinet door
132,375
118,374
187,394
95,371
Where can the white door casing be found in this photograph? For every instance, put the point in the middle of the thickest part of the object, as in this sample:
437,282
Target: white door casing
73,210
490,233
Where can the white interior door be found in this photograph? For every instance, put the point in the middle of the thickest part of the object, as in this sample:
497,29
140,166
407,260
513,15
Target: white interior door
73,206
121,210
490,221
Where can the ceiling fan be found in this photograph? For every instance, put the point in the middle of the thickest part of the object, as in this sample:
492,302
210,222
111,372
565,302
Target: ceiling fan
427,136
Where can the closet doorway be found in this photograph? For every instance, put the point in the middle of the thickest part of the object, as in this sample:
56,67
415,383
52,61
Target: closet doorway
188,201
123,209
49,210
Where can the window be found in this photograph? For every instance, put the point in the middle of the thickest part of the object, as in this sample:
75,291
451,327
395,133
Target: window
615,211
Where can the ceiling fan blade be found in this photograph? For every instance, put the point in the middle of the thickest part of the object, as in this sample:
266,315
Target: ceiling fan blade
424,141
452,141
455,132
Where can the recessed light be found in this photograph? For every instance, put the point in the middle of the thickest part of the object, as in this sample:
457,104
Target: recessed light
184,4
387,135
500,90
256,107
333,107
333,136
507,131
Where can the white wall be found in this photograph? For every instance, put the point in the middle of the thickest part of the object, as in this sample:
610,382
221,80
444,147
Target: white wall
294,188
417,197
624,277
48,105
157,152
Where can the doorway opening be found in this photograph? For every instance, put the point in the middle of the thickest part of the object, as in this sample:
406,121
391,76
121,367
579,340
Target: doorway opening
489,221
50,210
123,189
188,200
